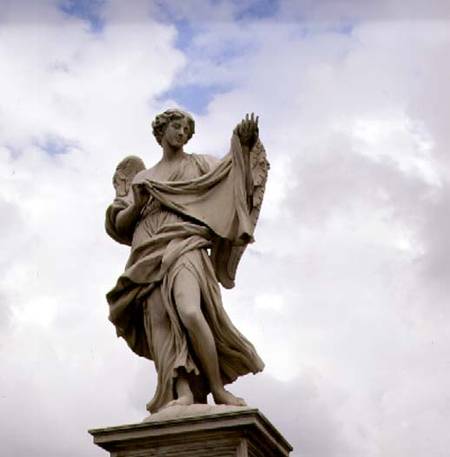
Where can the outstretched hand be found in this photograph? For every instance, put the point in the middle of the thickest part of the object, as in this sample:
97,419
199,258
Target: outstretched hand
247,130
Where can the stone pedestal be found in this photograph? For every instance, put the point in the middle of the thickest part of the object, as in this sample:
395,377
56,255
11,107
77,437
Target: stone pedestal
199,430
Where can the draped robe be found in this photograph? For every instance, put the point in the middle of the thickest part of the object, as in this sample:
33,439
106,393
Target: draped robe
201,220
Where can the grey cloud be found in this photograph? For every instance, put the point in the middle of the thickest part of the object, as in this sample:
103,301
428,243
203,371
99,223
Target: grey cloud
355,10
433,265
373,371
29,12
300,410
12,217
334,177
5,313
12,239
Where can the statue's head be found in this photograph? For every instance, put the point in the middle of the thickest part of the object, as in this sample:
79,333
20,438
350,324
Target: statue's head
164,119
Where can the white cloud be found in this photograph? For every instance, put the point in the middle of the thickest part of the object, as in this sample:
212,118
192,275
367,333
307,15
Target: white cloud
345,292
362,201
95,94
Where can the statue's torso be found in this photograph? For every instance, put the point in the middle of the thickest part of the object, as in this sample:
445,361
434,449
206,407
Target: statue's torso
154,215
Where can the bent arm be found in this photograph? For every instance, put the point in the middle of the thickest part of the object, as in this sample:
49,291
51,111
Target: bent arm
126,219
124,213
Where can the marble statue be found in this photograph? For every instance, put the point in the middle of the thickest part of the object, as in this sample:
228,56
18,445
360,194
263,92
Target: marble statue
188,220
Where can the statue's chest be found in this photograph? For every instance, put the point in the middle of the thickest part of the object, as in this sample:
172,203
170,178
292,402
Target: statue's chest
180,171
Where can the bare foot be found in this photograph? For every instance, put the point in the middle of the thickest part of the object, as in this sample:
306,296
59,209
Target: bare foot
223,397
184,400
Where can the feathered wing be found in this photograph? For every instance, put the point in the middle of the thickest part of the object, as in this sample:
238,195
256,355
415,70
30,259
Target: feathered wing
125,172
224,254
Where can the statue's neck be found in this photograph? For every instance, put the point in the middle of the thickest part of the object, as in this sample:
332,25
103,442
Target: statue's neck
171,154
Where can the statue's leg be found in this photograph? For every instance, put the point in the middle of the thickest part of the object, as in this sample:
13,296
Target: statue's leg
158,332
184,393
187,296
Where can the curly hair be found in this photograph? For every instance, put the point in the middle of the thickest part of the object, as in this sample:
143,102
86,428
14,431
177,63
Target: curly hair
162,120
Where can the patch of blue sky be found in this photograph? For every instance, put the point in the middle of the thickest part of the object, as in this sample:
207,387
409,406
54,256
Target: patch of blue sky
256,9
195,98
54,145
232,49
195,95
14,151
186,29
306,29
344,27
185,34
88,10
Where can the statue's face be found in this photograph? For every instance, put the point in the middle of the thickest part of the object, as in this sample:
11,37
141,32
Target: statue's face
177,133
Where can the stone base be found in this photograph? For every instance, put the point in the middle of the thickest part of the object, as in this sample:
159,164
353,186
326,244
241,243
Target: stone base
197,430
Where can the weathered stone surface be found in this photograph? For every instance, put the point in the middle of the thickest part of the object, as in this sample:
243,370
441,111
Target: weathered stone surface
197,409
188,220
222,432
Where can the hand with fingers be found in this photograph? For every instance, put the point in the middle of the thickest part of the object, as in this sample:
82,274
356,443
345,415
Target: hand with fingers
247,130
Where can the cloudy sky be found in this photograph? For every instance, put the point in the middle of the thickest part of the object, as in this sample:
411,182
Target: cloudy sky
346,291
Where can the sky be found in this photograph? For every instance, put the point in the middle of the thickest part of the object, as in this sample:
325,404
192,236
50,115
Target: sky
345,293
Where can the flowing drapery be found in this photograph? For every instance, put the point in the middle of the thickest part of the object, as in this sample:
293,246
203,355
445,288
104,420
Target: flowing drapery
203,207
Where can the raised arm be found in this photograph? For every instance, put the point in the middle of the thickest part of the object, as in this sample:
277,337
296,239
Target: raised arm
248,132
250,169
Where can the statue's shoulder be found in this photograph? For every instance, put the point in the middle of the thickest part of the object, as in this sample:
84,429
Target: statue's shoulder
143,174
206,162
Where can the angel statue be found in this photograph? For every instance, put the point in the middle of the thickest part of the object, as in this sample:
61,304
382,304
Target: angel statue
188,219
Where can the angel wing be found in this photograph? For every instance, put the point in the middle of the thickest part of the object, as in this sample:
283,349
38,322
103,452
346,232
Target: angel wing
225,256
126,170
